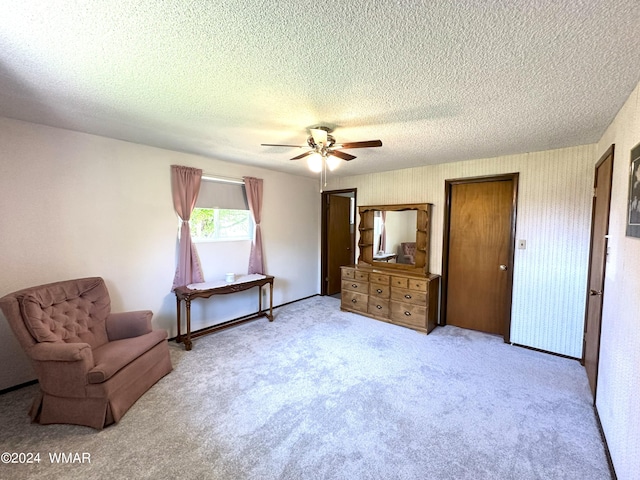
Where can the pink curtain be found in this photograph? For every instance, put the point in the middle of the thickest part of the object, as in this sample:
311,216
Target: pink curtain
185,185
253,187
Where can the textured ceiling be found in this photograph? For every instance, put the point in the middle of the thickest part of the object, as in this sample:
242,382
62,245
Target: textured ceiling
436,81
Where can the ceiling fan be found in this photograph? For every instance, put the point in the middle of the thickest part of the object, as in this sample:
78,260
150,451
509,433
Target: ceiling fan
322,143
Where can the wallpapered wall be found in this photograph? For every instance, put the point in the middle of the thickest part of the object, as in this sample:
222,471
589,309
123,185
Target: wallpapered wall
77,205
554,215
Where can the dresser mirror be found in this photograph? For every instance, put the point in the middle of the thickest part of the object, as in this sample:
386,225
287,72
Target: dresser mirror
395,236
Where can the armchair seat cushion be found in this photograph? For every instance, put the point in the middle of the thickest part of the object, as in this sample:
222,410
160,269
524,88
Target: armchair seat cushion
113,356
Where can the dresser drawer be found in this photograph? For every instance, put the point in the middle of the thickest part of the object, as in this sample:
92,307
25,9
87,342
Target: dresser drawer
354,301
415,284
379,278
352,285
348,273
401,282
408,296
379,307
414,315
361,276
379,290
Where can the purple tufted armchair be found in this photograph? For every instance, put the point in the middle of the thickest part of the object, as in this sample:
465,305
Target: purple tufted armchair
92,365
408,252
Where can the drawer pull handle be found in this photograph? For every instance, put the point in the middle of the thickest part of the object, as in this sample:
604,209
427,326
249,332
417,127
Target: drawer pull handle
407,296
379,290
379,307
354,285
408,314
353,300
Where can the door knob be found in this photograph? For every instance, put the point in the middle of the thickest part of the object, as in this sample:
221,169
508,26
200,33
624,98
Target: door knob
503,267
595,293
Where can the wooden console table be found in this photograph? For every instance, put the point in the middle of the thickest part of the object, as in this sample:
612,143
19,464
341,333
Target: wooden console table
206,290
384,257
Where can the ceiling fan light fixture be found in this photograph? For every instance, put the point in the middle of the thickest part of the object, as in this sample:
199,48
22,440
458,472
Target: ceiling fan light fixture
323,156
314,162
319,136
333,162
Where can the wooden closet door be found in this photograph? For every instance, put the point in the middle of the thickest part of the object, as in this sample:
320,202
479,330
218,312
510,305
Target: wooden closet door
480,255
597,266
339,252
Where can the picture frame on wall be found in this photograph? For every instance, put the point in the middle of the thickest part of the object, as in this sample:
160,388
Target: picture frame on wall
633,207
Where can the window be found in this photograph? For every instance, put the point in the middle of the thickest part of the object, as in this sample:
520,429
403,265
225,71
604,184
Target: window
221,213
209,224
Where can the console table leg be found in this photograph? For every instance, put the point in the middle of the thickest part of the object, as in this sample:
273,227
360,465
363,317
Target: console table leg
271,301
187,341
178,320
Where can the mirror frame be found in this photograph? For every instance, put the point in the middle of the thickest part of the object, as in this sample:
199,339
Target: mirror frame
423,229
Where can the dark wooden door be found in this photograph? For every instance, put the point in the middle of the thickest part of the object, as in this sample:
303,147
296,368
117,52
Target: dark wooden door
597,265
339,242
479,253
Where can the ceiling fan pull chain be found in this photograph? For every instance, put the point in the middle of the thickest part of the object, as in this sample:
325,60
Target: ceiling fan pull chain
324,168
323,173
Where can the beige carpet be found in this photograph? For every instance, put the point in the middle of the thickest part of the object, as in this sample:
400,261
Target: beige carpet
323,394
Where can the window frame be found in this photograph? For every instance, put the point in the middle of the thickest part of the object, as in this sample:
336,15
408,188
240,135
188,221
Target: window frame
216,214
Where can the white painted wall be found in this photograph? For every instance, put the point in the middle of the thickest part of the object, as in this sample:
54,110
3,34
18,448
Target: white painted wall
619,368
74,205
554,215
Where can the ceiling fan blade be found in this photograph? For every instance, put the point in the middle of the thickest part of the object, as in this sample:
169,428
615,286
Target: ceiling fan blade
280,145
305,154
319,136
342,155
365,144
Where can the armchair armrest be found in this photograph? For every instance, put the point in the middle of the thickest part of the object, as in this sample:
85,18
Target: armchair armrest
128,324
59,351
62,367
408,259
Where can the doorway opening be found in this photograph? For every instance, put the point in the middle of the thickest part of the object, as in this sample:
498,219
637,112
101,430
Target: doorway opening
338,232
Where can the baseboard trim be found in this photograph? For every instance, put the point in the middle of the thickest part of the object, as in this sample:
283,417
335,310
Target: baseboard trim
545,351
612,470
299,300
18,387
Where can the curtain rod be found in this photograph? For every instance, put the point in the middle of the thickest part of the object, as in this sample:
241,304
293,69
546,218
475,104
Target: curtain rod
218,178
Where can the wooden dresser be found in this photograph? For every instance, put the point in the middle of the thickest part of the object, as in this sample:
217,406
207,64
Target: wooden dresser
404,298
